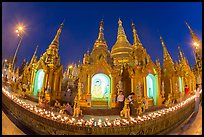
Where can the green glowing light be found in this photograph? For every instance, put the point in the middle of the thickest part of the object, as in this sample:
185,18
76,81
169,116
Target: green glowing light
100,87
180,84
151,87
38,82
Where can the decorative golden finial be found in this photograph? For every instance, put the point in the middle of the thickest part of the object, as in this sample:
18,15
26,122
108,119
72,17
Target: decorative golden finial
136,40
36,50
196,41
101,35
100,41
121,31
56,39
189,27
180,53
162,41
119,22
166,53
33,59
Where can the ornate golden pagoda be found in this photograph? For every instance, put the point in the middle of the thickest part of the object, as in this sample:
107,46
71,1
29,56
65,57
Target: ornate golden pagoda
175,76
187,75
103,74
47,73
142,70
132,71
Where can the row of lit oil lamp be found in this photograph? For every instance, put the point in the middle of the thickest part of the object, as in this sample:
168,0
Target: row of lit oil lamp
99,123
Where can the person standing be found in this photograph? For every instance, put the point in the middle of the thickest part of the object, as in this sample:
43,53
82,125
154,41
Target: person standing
186,90
131,103
197,98
120,100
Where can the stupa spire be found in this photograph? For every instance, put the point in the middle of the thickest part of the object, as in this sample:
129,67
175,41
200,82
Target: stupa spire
33,59
196,44
56,39
136,40
100,40
193,35
101,35
167,56
191,31
121,32
180,53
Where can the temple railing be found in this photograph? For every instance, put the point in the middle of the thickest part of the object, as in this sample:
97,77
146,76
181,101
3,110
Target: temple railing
42,125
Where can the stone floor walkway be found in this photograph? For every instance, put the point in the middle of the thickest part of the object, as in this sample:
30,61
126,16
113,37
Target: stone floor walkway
8,127
193,126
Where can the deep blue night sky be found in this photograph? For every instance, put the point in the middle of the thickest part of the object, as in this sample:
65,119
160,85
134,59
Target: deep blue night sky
81,26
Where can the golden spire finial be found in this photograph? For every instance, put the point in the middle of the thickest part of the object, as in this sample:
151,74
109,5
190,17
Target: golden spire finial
166,53
34,55
36,50
189,27
56,39
136,40
121,32
100,41
162,41
180,53
119,22
101,35
193,35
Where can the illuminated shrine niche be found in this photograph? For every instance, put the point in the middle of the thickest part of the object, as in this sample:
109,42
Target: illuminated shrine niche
38,81
151,87
100,87
180,84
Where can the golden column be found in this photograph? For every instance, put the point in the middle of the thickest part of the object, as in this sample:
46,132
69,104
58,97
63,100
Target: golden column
170,85
145,86
45,82
32,80
55,83
158,81
113,91
132,84
89,91
50,77
59,88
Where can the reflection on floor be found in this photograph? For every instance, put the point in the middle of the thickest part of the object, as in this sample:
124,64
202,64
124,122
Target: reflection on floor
193,126
9,128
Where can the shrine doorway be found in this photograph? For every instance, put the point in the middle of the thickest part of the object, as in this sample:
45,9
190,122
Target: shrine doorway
38,81
151,87
100,90
126,83
180,84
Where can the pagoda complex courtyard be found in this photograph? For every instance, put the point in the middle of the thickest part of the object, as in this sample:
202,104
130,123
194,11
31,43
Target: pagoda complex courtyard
83,99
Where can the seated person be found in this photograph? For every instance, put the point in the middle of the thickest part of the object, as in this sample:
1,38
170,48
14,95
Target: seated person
68,109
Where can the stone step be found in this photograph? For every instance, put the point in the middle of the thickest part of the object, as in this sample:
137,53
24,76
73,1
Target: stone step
99,103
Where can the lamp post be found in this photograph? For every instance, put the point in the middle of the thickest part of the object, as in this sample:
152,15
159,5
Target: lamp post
19,32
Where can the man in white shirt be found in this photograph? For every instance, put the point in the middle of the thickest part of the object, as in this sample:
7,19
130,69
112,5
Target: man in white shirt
120,100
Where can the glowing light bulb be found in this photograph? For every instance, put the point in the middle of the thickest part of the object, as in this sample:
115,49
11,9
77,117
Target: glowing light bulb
20,28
